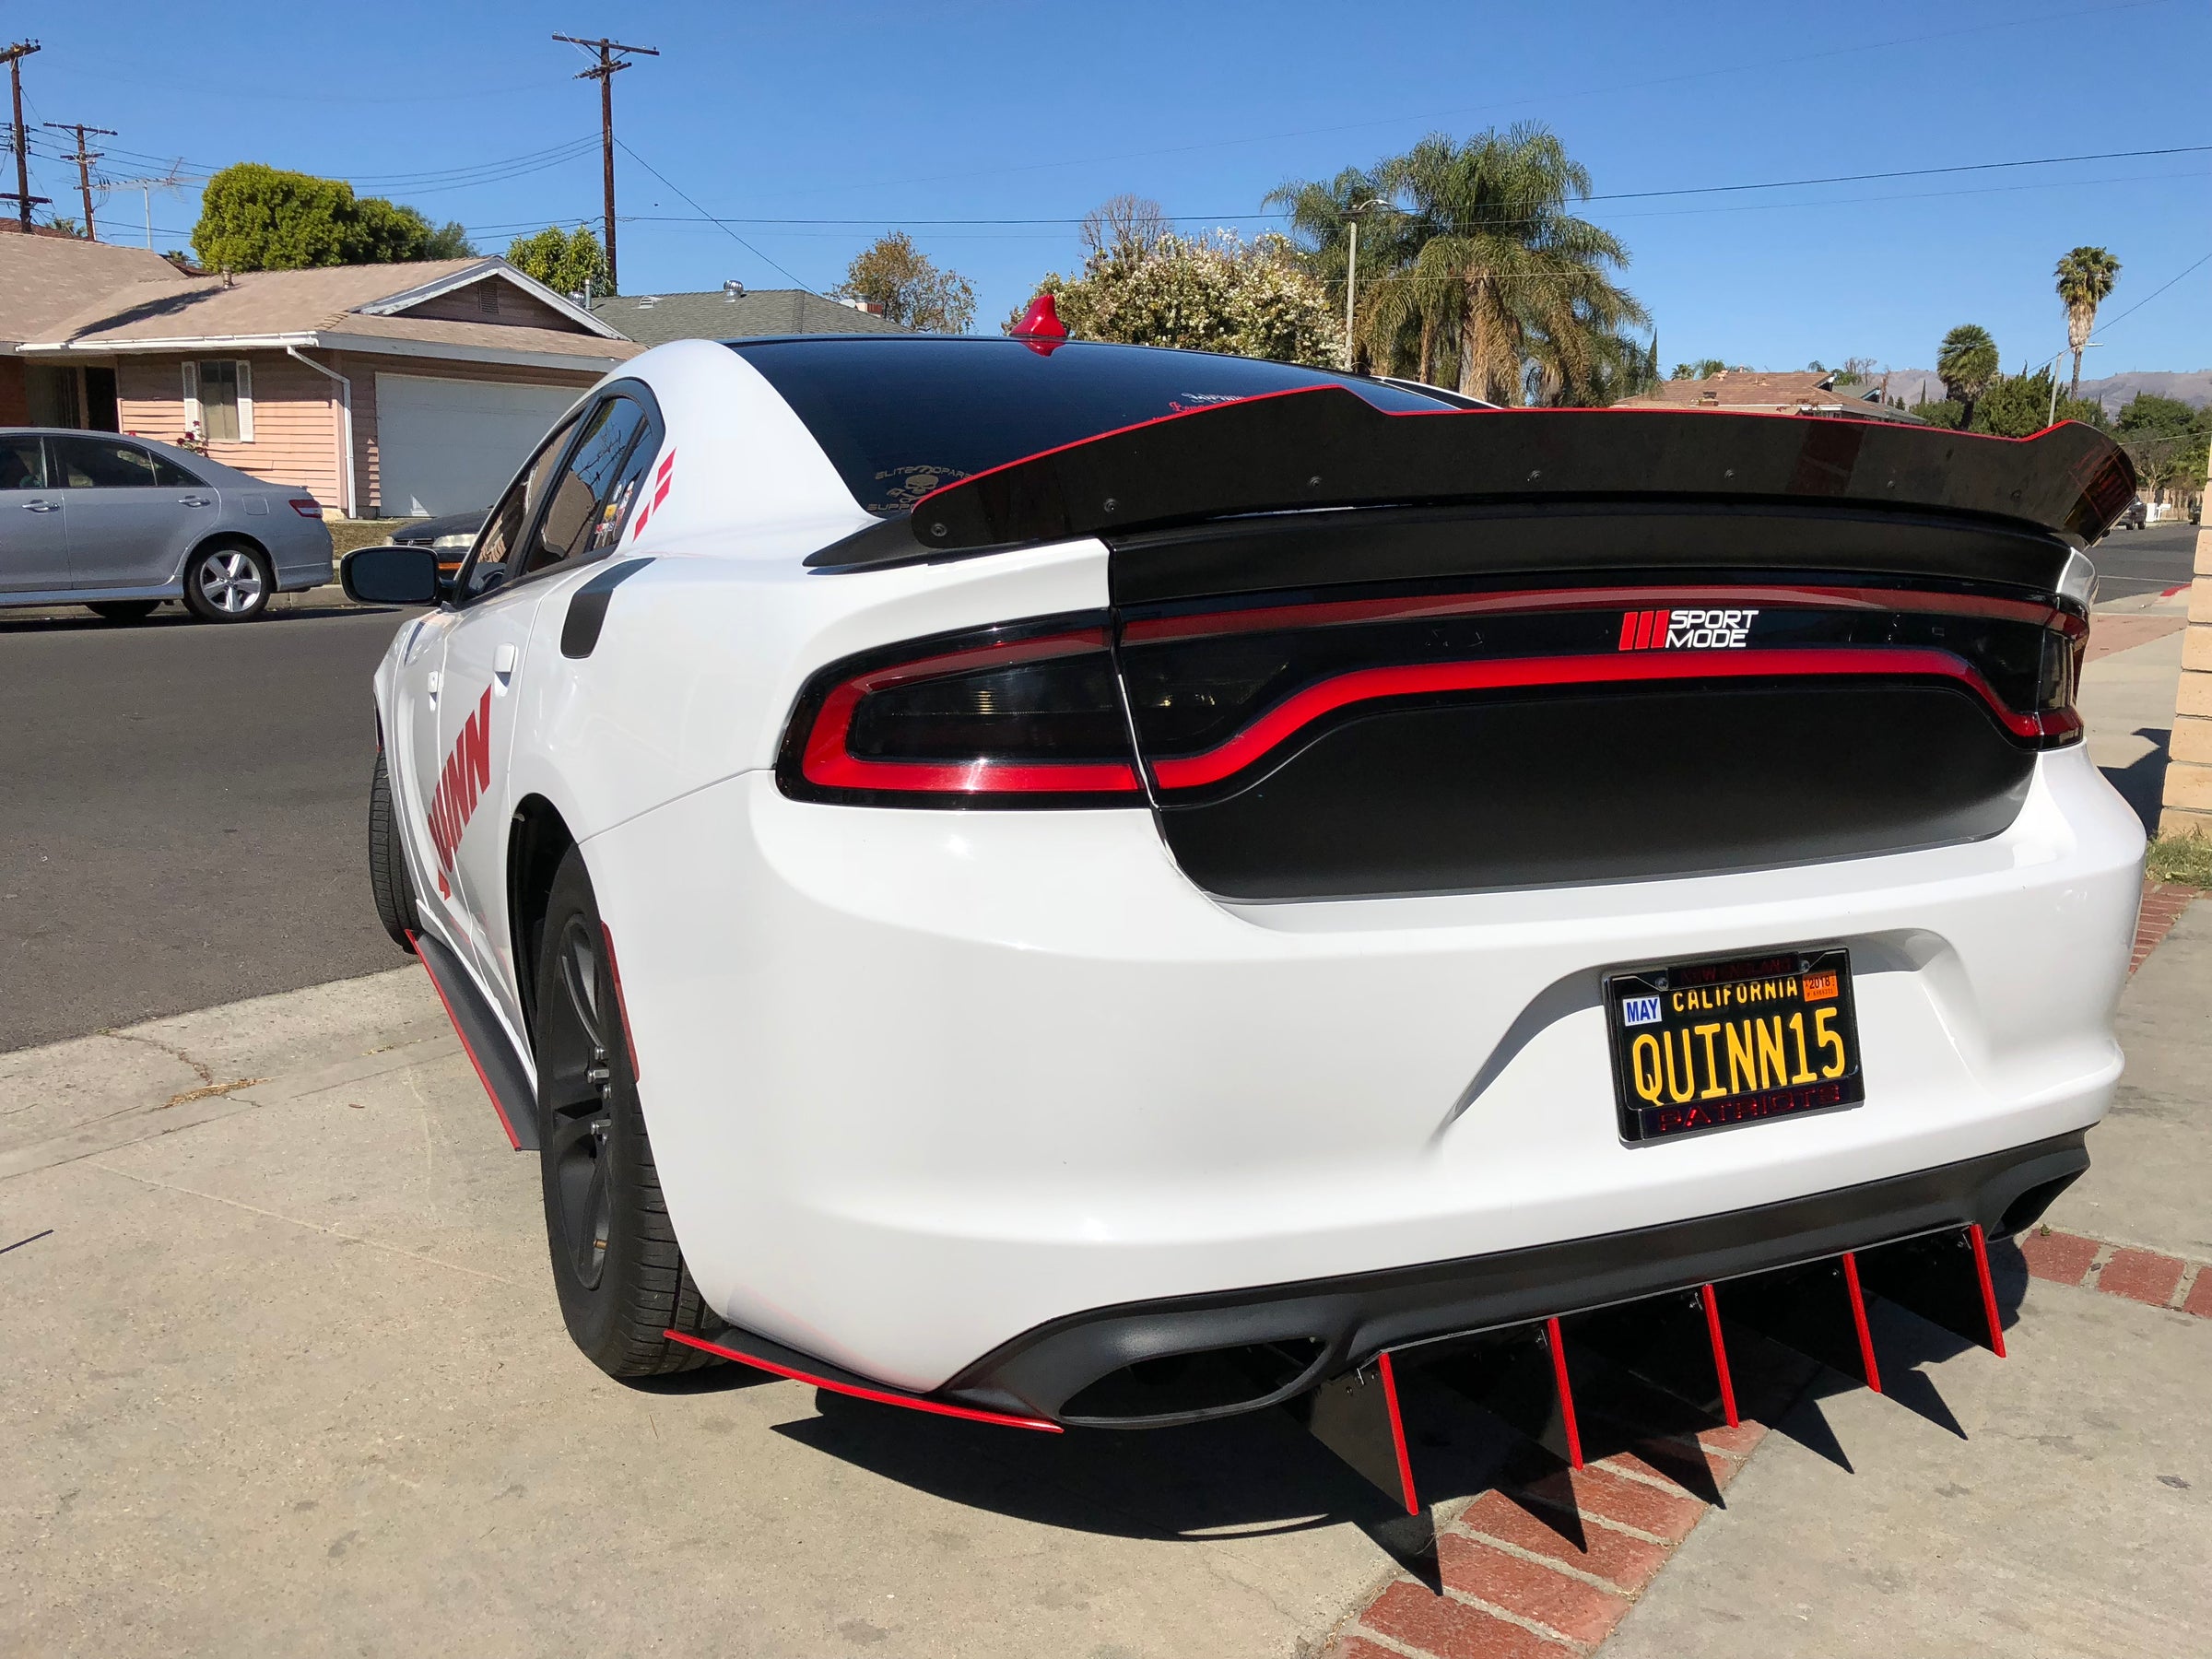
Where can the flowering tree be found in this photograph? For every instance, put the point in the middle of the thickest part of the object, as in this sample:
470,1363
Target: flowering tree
1203,293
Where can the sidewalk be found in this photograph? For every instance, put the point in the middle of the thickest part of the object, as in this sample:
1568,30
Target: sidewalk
284,1374
2055,1503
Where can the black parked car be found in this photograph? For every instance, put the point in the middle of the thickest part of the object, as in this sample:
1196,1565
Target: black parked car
450,537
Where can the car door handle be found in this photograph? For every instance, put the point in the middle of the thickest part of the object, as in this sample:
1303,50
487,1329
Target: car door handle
194,502
41,506
502,665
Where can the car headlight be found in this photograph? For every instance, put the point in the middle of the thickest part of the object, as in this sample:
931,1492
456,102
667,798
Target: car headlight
455,544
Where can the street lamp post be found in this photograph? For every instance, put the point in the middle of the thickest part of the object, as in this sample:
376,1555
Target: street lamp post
1353,215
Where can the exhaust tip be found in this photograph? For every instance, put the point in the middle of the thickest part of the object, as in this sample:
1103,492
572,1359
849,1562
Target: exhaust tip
1208,1382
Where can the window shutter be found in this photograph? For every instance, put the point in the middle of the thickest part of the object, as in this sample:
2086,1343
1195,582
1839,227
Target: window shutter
193,419
245,401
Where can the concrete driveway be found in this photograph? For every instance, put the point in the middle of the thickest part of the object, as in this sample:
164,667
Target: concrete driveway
284,1374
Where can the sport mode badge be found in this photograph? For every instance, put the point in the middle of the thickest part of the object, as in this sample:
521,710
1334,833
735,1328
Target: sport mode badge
1686,630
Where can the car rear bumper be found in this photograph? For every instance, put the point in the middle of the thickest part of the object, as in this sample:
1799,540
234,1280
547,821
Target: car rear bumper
926,1085
1346,1320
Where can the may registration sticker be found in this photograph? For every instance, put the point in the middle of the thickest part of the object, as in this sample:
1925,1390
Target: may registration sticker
1709,1045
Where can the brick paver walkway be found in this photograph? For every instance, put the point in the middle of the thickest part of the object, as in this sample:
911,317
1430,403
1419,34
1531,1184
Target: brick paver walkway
1517,1585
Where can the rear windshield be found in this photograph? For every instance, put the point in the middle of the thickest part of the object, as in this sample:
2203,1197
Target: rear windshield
898,417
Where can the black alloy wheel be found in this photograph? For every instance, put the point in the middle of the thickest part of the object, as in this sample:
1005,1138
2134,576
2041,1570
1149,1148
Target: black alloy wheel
617,1265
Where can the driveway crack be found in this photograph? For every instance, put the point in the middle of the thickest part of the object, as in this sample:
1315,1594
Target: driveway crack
206,1072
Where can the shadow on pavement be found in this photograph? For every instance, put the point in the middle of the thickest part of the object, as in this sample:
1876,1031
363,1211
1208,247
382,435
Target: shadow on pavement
1479,1418
76,620
2142,783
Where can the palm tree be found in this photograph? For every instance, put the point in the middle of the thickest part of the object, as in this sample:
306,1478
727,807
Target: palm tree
1494,230
1966,364
2085,278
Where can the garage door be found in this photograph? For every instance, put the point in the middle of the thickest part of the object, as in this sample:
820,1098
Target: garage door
449,445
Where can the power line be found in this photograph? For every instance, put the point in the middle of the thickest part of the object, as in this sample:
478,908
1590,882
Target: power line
732,235
1683,190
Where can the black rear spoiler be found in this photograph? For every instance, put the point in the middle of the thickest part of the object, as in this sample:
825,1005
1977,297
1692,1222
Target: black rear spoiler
1327,447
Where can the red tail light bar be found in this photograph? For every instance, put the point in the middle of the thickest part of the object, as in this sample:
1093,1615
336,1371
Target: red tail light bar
1031,714
1288,718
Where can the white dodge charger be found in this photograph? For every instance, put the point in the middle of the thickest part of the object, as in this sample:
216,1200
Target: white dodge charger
981,864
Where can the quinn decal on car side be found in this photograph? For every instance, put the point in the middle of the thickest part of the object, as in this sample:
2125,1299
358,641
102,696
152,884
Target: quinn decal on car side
462,781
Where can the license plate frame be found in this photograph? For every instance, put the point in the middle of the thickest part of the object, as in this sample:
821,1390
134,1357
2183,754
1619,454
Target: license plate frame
1725,1019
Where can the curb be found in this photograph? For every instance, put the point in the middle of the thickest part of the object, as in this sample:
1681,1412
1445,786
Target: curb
2161,907
2149,1277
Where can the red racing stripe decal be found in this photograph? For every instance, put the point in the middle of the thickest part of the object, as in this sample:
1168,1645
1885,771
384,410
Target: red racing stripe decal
1300,710
883,1396
492,1093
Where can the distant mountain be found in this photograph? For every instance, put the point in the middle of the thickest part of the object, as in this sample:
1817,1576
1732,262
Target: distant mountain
2193,387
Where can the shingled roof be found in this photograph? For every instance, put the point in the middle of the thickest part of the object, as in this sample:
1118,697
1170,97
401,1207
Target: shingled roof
1787,392
362,308
654,318
43,279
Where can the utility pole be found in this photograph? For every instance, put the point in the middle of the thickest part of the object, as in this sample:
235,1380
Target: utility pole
604,72
13,57
84,160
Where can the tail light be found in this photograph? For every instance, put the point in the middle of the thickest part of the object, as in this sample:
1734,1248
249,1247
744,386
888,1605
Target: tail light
1220,698
307,507
1024,715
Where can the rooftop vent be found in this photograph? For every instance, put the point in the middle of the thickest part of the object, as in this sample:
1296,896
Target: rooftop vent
649,302
733,290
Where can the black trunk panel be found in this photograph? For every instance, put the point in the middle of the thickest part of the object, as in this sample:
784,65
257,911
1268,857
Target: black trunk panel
1626,784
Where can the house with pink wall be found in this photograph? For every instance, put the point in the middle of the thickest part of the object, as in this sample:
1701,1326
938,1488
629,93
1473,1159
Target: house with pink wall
384,390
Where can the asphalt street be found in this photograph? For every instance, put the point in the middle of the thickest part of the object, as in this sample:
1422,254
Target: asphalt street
181,824
182,819
2144,561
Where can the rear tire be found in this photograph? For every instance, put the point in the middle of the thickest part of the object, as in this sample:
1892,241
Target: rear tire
124,610
388,877
617,1265
229,582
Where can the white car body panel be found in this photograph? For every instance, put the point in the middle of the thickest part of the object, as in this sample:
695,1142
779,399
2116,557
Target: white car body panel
920,1080
888,1053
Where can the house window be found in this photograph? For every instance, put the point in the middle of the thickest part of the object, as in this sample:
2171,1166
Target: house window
219,399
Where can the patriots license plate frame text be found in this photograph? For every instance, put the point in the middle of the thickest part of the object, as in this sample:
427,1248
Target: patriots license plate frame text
1771,1035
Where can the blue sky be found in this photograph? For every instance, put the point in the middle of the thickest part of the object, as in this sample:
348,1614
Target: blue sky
896,115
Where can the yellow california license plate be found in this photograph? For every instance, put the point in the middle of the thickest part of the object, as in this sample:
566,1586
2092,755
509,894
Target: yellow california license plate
1707,1045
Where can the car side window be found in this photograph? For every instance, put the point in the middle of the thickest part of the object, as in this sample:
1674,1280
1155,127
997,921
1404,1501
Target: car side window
169,475
102,464
583,517
495,556
22,464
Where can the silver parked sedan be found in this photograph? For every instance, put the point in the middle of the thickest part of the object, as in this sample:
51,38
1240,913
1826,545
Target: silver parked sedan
122,524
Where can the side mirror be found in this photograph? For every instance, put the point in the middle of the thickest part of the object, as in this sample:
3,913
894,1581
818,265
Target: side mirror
391,576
